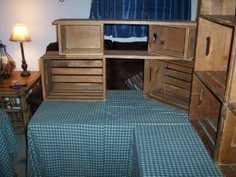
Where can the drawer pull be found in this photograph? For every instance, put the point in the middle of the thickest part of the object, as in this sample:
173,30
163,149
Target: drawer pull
208,43
200,97
150,74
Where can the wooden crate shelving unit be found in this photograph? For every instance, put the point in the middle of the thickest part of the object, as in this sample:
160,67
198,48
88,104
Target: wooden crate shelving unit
80,40
214,83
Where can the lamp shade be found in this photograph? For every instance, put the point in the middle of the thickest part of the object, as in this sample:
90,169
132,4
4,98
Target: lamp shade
20,33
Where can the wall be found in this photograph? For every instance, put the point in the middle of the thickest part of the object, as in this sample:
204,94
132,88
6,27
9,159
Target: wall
194,9
38,15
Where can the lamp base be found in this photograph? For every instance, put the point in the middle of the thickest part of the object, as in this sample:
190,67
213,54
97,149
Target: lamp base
25,73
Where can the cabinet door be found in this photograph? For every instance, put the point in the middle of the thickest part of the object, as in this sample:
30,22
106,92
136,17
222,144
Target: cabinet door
153,76
213,46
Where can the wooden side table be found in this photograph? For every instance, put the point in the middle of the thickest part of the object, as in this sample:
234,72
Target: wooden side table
13,100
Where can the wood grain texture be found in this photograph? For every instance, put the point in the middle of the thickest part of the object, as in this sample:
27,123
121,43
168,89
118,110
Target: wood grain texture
228,170
86,37
81,78
214,81
218,55
171,84
203,103
226,145
183,24
216,7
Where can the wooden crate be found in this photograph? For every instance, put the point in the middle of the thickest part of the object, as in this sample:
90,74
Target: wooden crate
204,104
73,78
225,152
214,84
213,58
82,38
169,82
175,41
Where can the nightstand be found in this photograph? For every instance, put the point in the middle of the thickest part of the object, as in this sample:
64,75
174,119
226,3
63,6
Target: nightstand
14,100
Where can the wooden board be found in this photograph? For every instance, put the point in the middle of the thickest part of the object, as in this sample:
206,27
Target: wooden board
170,99
214,81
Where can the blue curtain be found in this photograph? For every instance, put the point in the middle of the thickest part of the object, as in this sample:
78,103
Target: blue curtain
138,10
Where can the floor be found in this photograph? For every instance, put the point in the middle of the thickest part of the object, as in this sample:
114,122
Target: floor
20,159
206,129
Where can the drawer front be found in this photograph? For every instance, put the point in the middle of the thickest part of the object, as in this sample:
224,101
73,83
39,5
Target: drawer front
213,46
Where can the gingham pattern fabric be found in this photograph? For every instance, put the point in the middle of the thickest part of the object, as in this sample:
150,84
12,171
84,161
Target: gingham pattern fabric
92,139
8,146
172,151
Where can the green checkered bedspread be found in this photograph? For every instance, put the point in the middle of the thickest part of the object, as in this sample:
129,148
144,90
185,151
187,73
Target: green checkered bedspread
8,146
98,139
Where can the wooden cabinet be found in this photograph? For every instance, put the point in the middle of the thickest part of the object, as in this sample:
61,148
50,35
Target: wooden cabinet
214,83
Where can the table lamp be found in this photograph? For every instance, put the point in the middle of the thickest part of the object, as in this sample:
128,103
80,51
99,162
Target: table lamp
20,34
